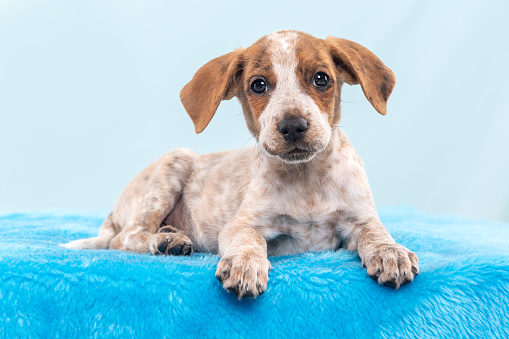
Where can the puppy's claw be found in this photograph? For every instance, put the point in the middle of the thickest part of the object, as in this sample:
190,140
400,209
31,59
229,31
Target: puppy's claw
259,288
248,294
223,276
234,290
415,270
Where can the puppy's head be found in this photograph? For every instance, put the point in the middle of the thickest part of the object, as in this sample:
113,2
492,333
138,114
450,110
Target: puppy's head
289,84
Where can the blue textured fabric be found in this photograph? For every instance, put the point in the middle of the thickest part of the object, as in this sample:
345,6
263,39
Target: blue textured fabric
49,291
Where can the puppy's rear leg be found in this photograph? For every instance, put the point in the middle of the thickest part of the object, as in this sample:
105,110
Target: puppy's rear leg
168,240
147,201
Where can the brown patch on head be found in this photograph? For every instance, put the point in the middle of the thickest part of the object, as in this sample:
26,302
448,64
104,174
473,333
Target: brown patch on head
257,65
313,57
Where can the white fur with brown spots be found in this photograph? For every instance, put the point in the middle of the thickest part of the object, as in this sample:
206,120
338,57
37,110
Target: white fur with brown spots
279,197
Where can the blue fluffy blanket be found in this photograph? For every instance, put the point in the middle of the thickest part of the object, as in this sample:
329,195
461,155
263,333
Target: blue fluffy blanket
48,291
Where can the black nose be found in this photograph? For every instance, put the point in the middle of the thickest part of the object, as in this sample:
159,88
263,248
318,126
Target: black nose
293,129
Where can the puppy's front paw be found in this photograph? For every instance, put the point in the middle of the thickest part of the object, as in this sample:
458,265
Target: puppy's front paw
246,275
391,264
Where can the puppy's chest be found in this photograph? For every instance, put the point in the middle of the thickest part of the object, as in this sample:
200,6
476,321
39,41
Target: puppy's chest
288,235
302,220
306,204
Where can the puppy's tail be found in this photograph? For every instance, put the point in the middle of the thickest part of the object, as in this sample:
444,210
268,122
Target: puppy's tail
106,233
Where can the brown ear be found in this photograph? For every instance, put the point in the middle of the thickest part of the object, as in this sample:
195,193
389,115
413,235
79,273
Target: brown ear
212,83
357,65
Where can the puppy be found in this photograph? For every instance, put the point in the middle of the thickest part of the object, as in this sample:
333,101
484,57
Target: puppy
301,188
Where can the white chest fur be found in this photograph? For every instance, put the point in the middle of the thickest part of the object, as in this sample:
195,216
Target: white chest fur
298,208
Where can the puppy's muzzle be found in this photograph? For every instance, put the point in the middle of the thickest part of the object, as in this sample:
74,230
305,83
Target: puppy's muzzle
293,129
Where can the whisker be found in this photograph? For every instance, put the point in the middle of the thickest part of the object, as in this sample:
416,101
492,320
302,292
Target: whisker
296,168
284,167
247,142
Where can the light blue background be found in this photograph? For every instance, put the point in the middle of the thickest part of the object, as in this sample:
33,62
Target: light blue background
89,95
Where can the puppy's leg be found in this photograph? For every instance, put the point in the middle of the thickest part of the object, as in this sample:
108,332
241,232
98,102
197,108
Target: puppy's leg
146,202
386,261
168,240
244,267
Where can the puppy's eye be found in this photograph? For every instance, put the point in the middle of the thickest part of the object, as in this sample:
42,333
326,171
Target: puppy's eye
259,86
321,79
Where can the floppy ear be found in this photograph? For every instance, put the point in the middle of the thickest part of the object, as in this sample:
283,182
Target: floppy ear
357,65
212,83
